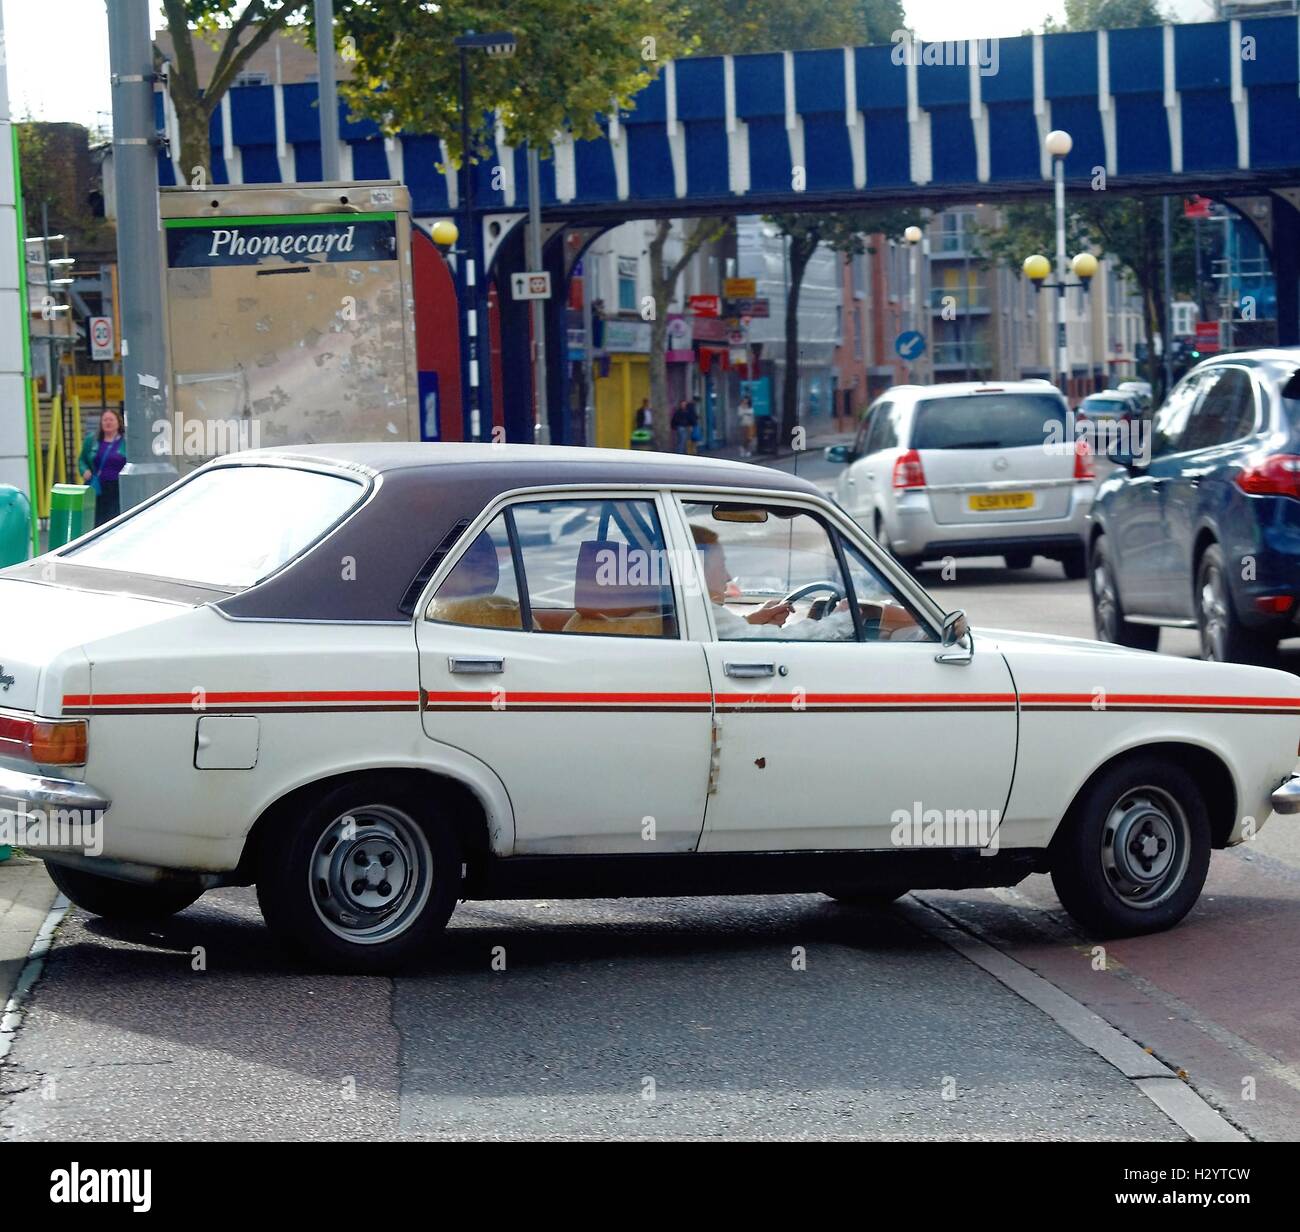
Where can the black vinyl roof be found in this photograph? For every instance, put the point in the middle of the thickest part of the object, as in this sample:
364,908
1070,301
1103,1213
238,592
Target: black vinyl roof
363,569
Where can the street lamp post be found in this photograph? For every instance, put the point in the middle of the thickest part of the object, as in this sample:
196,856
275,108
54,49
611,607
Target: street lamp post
913,236
1059,143
499,44
1084,266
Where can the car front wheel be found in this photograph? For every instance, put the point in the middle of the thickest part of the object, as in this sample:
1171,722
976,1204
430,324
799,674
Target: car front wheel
1132,854
364,880
1107,613
122,900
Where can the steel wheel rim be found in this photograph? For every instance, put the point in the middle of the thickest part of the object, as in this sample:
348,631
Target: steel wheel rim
1145,847
1214,615
1105,603
370,874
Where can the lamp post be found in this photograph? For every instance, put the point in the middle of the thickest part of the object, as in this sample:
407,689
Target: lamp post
499,44
1058,144
913,236
1037,267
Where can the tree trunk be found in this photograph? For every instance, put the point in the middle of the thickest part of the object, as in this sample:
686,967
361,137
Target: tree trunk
801,251
196,149
662,292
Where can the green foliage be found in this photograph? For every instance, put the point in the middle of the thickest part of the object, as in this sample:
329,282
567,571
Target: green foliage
572,58
735,27
1107,15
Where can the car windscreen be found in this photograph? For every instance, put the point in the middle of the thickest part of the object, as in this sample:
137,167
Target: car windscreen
1103,406
988,421
229,527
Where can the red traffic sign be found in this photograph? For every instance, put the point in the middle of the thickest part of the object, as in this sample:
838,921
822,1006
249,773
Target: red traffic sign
1207,336
705,305
1196,207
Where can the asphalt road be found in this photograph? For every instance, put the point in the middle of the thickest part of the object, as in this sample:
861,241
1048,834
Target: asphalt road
788,1017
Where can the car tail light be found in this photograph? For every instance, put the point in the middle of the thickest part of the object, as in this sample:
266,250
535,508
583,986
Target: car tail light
1277,476
1274,605
1083,460
44,742
908,471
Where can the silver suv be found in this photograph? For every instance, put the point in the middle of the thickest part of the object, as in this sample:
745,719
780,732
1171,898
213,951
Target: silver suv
970,470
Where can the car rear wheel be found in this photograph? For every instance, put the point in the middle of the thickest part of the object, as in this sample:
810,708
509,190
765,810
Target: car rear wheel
1018,560
122,900
1108,614
364,880
1075,564
865,898
1223,637
1132,854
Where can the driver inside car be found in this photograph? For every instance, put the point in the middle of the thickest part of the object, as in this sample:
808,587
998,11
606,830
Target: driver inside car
834,627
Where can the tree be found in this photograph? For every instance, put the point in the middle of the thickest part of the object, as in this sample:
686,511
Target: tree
1107,15
663,287
571,63
238,38
845,232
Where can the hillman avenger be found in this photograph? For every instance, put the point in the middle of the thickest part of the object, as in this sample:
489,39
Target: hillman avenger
375,679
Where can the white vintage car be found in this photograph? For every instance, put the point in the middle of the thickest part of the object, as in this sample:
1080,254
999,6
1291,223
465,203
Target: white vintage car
375,679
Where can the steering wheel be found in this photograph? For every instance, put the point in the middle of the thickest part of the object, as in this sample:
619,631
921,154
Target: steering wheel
810,588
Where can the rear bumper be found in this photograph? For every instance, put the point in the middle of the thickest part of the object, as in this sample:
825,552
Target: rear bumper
43,815
914,530
1286,799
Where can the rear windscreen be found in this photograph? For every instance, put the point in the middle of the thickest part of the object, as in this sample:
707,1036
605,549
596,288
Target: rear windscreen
988,421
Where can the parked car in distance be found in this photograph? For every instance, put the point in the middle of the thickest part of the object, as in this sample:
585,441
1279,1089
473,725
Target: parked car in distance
1141,390
1109,404
1204,531
970,469
448,672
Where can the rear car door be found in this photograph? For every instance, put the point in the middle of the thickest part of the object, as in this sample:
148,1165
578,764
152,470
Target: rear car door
831,731
552,650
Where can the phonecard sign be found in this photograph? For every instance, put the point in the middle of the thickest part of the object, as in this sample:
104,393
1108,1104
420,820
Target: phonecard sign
304,239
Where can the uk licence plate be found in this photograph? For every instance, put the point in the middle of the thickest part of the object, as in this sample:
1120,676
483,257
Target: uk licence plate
990,502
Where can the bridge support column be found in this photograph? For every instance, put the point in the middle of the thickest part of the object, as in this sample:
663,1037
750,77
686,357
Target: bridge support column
1286,265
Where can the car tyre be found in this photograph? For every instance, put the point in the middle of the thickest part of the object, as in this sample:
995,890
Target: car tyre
1132,854
1018,560
1107,611
364,880
113,899
1224,639
865,898
1075,564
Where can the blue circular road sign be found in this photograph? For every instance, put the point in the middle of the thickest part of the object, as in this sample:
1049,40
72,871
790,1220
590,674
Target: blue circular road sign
910,344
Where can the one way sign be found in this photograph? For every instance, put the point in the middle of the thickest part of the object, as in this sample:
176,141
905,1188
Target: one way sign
530,285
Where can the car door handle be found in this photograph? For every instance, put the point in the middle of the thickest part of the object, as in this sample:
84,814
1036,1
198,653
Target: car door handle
477,665
744,670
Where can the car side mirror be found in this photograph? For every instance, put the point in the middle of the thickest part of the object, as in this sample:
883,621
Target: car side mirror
956,644
839,453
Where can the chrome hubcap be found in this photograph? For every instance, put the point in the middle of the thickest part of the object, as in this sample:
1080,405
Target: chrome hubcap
1214,616
1103,598
1145,846
371,872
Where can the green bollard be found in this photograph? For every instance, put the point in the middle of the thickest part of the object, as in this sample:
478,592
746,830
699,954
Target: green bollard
72,513
5,852
15,526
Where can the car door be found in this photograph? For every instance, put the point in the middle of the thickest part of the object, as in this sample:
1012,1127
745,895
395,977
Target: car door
854,487
1219,430
552,650
828,736
1135,514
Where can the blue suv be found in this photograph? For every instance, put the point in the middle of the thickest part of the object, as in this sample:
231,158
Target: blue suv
1202,529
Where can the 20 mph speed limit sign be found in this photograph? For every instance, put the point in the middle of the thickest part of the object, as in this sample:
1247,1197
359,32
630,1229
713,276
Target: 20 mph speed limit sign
100,332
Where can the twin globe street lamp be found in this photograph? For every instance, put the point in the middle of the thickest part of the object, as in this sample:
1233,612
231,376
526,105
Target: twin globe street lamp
1084,265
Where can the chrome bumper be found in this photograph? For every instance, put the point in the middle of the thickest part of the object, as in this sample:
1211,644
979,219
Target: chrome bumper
19,791
1286,799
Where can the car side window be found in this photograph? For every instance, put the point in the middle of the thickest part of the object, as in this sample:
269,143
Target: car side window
886,614
1225,413
587,566
884,433
1170,420
864,429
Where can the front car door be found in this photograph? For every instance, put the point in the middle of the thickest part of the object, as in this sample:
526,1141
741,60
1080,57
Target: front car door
552,649
831,732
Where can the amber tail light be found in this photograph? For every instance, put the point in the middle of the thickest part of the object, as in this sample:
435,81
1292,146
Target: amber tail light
44,742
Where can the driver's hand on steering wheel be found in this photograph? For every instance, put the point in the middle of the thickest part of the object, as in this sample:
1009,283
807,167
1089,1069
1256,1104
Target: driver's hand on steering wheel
773,612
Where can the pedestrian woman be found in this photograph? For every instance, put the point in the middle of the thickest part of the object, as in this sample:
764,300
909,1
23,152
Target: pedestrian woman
102,457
